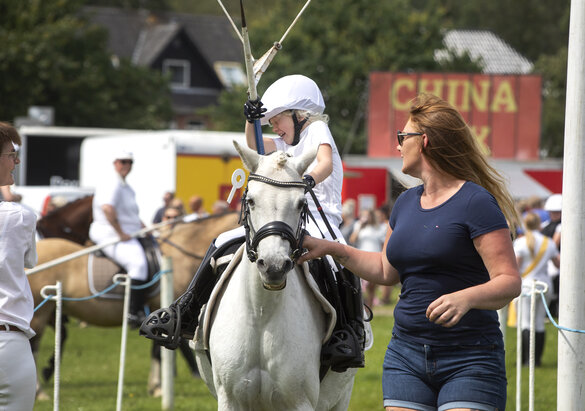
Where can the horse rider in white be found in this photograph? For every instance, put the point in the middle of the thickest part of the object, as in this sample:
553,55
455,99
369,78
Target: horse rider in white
115,214
293,106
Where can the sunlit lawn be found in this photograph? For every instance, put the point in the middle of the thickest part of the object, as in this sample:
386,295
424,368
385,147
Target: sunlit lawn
89,372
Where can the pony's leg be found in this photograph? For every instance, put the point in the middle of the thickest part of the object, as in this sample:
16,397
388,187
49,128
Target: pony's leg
189,357
154,379
49,370
335,390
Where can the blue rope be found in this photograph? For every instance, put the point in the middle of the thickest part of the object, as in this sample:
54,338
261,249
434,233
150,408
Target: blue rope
42,303
550,317
108,289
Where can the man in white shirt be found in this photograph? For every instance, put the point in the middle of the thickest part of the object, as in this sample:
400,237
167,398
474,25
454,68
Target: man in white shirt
115,215
17,251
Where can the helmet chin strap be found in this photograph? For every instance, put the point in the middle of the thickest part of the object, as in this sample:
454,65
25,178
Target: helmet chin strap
298,126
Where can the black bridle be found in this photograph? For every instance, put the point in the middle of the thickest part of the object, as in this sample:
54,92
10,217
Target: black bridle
279,228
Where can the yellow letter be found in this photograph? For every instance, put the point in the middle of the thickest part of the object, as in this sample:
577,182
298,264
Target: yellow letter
480,97
504,96
452,88
481,136
406,83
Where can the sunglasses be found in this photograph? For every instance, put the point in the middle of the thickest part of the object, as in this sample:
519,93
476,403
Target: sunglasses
14,154
401,135
127,162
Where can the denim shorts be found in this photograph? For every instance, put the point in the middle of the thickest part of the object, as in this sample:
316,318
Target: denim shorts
424,377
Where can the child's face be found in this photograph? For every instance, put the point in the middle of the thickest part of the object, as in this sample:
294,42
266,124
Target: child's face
283,125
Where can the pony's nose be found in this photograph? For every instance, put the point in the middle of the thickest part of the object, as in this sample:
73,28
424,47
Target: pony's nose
288,265
274,269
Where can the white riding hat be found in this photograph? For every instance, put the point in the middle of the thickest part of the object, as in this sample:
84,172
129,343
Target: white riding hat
554,203
294,92
123,155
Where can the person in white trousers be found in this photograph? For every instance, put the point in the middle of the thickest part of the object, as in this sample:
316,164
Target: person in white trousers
17,251
115,215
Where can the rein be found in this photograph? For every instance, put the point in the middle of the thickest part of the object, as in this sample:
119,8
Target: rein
279,228
181,249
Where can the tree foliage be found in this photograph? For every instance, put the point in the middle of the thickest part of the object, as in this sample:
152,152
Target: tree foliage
52,57
338,43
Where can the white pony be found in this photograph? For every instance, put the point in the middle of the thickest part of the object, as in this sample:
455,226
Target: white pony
268,327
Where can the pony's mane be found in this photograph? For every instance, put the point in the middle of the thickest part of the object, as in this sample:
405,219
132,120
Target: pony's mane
279,165
281,159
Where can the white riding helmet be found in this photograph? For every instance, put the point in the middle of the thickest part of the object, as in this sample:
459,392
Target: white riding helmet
294,92
554,203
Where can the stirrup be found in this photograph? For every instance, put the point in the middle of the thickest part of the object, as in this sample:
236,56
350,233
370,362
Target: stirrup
343,350
163,326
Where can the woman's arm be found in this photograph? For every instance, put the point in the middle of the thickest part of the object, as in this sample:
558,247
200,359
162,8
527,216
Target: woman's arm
269,145
497,253
371,266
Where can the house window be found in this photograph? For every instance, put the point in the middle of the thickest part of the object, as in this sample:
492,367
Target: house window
230,73
179,72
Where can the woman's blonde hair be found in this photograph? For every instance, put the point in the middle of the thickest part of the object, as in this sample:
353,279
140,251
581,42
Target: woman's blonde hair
454,150
531,223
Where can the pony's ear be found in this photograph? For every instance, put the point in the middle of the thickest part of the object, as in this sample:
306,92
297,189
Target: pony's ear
248,156
304,160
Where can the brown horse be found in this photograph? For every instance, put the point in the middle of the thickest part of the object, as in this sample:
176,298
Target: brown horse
184,243
71,221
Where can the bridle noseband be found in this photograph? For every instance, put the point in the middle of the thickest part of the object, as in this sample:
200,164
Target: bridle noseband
278,228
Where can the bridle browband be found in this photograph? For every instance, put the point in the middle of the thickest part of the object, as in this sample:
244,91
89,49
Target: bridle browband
279,228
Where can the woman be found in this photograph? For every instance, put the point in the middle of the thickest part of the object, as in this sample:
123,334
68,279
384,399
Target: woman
450,246
17,251
533,252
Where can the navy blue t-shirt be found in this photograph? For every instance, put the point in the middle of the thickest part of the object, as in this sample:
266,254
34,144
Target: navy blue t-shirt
433,251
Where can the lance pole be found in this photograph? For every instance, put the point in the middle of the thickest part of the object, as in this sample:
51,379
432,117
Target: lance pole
252,93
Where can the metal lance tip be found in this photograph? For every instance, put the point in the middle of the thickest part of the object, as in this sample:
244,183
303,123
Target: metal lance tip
243,16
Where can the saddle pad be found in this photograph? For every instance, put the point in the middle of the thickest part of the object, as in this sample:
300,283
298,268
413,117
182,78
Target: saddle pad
100,273
200,341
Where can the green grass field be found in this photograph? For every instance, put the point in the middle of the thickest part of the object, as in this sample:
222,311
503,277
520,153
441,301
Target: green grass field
89,372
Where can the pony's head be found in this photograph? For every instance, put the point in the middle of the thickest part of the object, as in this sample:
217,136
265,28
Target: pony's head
273,211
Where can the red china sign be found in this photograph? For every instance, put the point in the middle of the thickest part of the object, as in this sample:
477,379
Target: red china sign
503,110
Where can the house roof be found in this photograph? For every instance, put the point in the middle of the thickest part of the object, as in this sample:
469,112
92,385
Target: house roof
152,41
491,52
140,35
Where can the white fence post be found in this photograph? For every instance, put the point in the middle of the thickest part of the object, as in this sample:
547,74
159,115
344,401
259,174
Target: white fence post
58,288
167,356
519,351
124,280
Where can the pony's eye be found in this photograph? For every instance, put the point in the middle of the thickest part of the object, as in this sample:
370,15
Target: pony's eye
250,202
